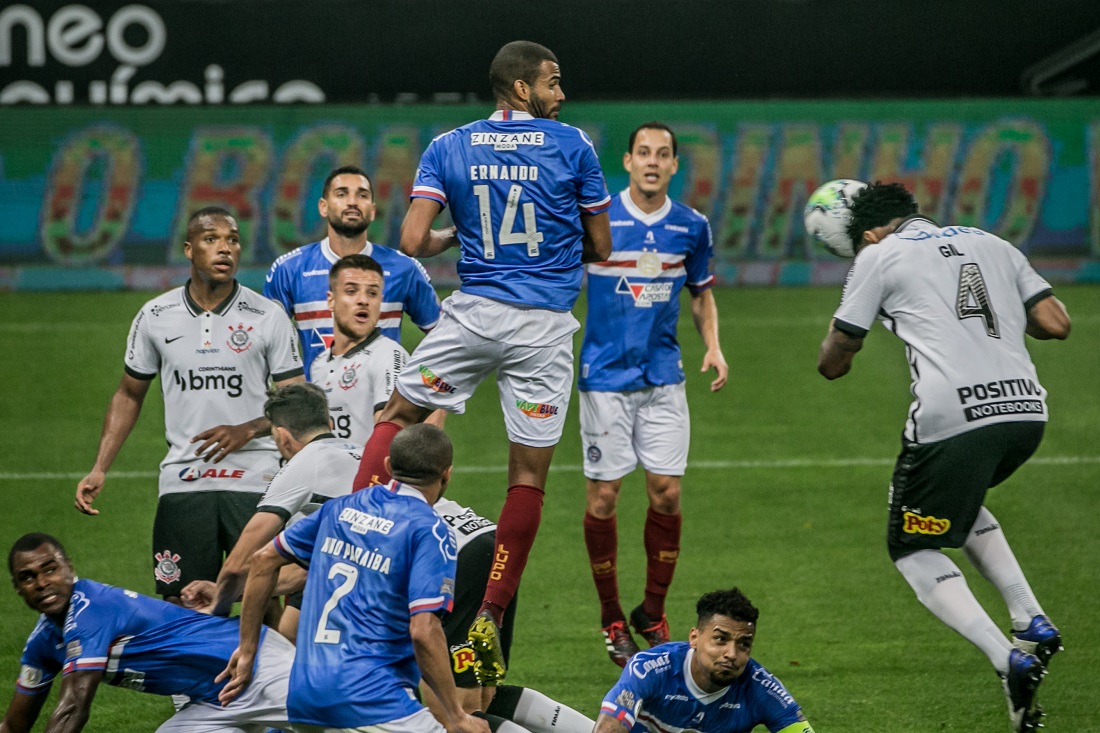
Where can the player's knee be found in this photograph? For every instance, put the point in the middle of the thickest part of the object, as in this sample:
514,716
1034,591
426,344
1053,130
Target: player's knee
603,497
664,493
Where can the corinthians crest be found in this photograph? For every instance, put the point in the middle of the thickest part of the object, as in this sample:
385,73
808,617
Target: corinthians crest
239,338
350,376
166,569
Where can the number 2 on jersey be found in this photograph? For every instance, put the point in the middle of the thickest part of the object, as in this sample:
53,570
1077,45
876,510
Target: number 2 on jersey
530,235
324,634
972,300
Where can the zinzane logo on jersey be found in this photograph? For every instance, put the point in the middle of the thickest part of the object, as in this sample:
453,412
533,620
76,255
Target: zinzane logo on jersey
361,522
507,140
645,294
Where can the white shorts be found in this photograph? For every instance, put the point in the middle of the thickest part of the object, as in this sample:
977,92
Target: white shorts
479,337
421,721
262,705
621,429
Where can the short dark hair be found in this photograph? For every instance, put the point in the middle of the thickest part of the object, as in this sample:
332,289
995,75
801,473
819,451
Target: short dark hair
731,603
517,60
346,170
354,262
218,211
420,454
651,125
300,407
33,541
878,205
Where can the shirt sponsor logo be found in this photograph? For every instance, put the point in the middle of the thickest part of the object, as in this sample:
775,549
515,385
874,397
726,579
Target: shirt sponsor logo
536,410
772,686
645,294
1012,407
361,522
314,273
167,569
918,524
658,664
433,382
196,380
506,140
622,223
194,474
243,306
77,606
677,228
156,310
239,340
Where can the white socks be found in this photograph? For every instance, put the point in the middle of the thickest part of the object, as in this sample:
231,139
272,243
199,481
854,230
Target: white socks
941,587
988,550
539,714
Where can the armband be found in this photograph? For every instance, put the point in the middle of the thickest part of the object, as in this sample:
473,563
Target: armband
800,727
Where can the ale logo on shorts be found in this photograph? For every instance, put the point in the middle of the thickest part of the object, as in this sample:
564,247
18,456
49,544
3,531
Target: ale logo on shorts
239,340
462,658
536,410
350,376
167,570
434,383
194,474
917,524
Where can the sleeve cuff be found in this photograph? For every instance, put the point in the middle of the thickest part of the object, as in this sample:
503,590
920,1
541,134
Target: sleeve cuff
279,511
296,372
1039,296
139,375
849,328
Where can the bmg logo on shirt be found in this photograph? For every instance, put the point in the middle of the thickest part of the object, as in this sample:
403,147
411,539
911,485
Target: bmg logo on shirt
233,384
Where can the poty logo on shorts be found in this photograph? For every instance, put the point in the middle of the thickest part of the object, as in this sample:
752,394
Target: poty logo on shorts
536,410
645,294
436,384
194,474
462,659
917,524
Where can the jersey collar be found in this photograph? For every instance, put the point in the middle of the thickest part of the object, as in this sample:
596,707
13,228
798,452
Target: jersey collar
218,310
647,219
696,691
916,219
396,487
510,115
370,339
326,250
321,436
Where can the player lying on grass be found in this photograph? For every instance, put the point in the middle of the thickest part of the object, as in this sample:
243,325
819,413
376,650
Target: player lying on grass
92,633
708,684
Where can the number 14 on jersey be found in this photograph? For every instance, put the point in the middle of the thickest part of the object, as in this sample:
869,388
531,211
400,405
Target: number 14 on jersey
530,235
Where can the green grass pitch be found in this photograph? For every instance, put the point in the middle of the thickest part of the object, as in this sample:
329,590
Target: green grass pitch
785,497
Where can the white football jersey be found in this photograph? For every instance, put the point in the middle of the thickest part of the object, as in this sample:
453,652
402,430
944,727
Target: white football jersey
958,297
322,470
358,383
214,367
465,522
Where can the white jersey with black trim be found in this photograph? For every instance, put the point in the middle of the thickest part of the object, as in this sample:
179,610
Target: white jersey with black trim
358,383
958,297
214,367
464,522
324,469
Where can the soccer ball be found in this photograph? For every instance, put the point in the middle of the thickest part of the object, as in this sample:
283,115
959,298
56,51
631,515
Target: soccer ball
828,213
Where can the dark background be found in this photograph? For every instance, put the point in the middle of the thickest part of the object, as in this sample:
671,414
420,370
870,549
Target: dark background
439,50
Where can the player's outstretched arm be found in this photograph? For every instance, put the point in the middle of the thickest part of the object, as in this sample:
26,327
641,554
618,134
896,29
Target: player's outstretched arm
596,239
262,575
607,724
122,415
1048,319
74,704
837,352
430,649
704,311
22,712
418,239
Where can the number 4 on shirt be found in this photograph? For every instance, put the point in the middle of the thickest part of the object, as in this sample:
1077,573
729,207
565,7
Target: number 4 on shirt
530,236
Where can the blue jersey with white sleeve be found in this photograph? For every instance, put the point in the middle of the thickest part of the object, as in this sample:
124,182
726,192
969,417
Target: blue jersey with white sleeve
137,642
517,186
656,694
375,558
298,280
634,297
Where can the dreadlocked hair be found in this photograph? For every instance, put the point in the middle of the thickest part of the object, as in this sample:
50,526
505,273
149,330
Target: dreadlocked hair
878,205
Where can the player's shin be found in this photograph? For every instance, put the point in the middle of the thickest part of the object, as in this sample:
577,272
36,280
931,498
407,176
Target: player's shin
372,468
601,539
516,530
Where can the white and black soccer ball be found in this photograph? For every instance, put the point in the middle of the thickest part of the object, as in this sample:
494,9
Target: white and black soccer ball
828,213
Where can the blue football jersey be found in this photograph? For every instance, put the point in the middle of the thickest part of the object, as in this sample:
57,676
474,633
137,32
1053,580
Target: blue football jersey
657,694
138,642
298,281
634,297
375,558
517,186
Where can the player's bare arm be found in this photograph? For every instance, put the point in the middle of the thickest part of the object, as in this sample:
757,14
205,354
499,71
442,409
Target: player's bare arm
220,441
21,713
704,311
259,588
1048,319
430,649
122,414
837,352
260,530
418,239
607,724
75,702
597,237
